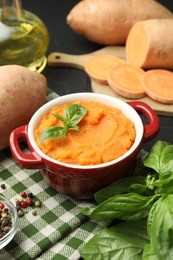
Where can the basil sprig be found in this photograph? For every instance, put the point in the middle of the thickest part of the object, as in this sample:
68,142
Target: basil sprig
73,114
144,205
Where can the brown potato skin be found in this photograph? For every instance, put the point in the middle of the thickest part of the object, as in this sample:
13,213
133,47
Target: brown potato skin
22,92
109,22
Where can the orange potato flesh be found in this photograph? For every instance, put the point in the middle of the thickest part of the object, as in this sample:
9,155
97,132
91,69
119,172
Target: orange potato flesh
105,134
150,44
158,84
137,46
98,66
126,80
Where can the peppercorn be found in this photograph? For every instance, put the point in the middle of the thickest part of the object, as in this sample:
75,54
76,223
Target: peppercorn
38,203
30,195
5,220
18,203
34,213
18,207
18,200
23,194
4,215
5,210
7,229
2,205
29,202
3,186
23,204
20,213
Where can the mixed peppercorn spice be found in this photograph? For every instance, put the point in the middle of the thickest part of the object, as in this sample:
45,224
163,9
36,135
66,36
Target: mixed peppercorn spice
22,202
25,200
5,220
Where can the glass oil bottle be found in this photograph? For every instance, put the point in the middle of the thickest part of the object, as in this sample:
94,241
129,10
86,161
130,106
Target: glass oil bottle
24,38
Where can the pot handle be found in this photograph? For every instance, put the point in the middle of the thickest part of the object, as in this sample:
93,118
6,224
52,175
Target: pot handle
152,128
26,160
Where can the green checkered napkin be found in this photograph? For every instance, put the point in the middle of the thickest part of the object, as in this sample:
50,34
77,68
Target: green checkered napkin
68,247
58,230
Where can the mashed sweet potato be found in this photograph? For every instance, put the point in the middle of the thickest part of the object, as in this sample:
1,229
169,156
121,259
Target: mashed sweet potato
105,134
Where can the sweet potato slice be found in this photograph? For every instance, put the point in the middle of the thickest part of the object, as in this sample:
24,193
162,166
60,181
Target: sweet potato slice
126,80
158,84
150,44
109,21
98,66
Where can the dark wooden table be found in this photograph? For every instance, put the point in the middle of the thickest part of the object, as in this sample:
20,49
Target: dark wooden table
63,39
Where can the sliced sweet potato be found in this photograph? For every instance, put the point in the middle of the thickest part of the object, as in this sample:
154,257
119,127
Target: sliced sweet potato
158,84
126,80
109,21
98,66
150,44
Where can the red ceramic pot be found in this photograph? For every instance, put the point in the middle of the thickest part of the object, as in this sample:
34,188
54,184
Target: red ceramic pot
82,181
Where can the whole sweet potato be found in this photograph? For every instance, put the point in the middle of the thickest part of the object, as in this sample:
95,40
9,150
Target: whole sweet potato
109,21
22,92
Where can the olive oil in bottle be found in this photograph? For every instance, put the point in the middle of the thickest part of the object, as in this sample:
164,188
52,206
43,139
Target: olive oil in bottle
24,38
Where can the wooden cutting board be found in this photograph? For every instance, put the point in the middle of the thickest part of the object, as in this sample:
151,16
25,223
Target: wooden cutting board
57,59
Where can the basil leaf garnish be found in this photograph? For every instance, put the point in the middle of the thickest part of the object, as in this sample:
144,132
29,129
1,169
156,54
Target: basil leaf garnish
53,132
73,114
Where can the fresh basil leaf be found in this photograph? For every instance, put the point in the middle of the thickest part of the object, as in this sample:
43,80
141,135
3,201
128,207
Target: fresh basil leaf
137,227
151,181
141,189
161,233
118,187
61,118
154,159
129,206
148,253
166,161
164,184
151,214
164,168
53,132
74,113
165,178
74,127
165,189
122,241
